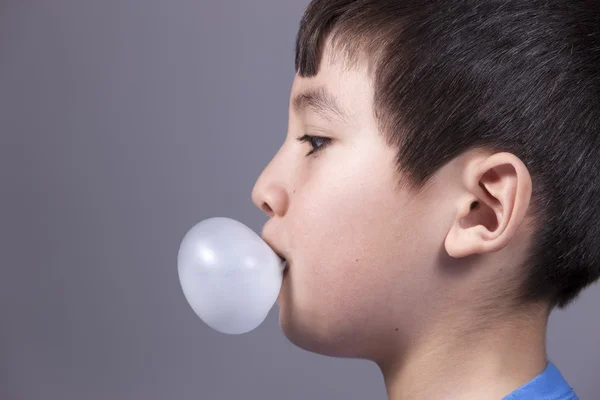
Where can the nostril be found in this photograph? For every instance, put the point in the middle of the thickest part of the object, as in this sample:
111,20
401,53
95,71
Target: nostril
268,210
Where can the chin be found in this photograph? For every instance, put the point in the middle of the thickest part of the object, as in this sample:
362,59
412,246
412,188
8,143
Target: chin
331,331
308,340
320,338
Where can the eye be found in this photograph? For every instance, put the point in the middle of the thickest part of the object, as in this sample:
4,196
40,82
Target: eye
317,143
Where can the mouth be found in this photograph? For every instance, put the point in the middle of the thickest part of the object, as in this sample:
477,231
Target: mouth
282,259
284,264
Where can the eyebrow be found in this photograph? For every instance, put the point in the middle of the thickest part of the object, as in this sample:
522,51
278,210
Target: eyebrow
321,102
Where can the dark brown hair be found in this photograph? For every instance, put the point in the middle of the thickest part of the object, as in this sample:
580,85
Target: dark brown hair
521,76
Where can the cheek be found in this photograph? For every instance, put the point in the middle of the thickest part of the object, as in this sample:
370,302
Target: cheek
342,224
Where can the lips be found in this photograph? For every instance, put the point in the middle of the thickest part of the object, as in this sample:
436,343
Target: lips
281,257
284,262
284,265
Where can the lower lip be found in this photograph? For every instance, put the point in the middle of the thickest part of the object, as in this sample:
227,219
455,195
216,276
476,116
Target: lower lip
286,267
283,279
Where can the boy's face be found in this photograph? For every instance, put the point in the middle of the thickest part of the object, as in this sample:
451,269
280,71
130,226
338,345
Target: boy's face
361,252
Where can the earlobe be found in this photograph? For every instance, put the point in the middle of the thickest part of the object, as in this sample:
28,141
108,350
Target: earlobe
493,206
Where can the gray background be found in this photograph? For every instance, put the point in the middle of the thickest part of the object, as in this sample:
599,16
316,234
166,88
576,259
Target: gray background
122,124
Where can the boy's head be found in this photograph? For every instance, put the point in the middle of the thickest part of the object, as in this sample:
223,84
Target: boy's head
452,179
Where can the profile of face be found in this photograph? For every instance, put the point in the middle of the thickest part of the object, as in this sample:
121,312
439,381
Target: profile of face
364,255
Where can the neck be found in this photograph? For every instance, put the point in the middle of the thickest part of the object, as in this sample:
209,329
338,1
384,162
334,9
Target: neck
488,363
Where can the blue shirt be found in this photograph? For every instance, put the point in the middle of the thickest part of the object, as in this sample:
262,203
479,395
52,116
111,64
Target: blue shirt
549,385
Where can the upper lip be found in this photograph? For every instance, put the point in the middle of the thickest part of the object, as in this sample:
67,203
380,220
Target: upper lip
279,253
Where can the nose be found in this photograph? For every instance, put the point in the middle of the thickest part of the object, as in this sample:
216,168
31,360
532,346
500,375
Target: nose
269,193
270,196
272,201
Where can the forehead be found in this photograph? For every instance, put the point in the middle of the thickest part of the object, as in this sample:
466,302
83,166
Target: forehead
350,85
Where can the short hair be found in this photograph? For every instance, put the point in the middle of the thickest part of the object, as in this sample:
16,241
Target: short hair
521,76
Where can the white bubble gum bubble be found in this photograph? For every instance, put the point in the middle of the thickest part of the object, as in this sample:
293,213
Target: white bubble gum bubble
230,277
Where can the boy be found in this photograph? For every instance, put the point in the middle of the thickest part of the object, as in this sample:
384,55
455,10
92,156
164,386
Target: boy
437,194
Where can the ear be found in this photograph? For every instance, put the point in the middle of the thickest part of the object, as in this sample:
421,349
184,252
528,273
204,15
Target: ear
493,206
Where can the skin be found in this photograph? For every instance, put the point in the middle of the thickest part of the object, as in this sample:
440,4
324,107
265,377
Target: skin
418,283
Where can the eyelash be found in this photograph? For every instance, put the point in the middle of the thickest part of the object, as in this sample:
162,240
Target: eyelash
309,139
